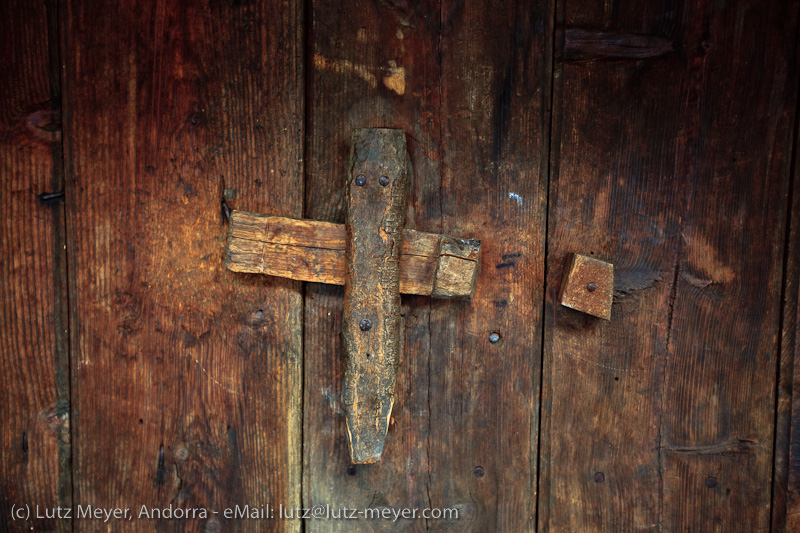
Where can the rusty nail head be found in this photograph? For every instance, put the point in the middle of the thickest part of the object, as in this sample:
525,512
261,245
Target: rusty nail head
711,482
591,287
599,477
365,324
384,180
360,181
494,337
479,471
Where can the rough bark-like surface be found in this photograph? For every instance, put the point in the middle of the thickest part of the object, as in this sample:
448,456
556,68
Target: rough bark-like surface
34,395
377,186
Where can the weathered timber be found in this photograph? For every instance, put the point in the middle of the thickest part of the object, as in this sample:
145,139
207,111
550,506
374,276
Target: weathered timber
187,377
475,103
388,44
588,285
34,397
675,168
310,250
377,186
580,44
484,395
786,477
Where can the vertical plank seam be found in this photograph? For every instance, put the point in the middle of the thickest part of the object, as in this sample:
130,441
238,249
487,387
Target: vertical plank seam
61,53
673,296
548,164
306,40
442,163
782,422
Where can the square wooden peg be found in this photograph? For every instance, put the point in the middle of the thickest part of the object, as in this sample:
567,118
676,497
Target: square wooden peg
588,285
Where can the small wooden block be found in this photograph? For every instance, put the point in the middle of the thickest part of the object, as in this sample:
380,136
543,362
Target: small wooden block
588,286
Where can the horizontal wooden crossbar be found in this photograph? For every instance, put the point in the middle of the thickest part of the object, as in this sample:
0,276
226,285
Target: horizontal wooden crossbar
310,250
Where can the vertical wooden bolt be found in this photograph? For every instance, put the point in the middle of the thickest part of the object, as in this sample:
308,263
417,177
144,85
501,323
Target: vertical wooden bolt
375,219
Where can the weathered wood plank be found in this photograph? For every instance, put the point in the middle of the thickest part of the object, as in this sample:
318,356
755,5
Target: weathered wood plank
786,479
311,250
674,168
187,376
373,64
722,353
34,418
496,79
464,428
371,322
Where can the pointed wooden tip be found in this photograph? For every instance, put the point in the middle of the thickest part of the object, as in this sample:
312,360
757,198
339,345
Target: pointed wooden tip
366,432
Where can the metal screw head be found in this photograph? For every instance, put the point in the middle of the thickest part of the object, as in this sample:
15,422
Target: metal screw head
478,471
365,324
711,482
351,470
599,477
494,337
360,181
591,287
384,180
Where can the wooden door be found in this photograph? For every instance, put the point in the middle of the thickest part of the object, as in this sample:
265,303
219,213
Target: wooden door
141,375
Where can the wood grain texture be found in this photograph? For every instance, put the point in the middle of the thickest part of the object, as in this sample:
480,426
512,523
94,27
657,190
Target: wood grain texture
371,322
484,402
674,168
310,250
786,478
578,44
474,106
34,397
357,51
187,376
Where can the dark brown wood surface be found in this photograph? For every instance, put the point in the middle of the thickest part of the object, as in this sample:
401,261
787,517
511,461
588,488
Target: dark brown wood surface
354,81
474,104
139,371
34,396
786,480
674,168
484,389
185,376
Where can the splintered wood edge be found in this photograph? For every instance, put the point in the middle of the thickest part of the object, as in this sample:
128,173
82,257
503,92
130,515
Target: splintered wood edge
310,250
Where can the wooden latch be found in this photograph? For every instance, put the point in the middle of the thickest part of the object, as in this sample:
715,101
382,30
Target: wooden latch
376,258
